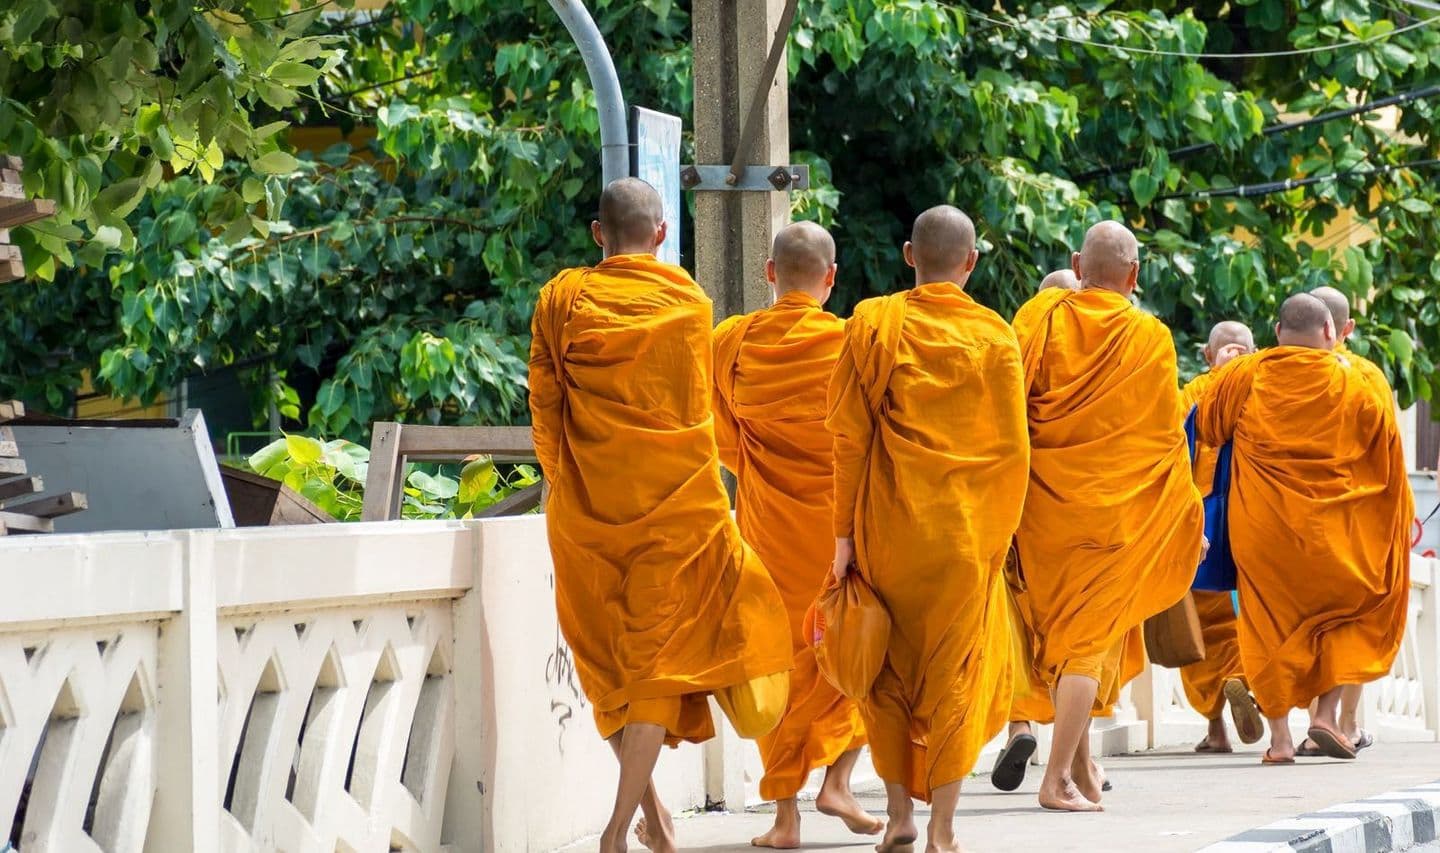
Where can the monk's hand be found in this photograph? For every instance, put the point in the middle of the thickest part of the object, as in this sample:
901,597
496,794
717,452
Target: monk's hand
844,557
1229,353
1204,546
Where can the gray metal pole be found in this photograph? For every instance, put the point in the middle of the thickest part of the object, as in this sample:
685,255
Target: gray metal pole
609,101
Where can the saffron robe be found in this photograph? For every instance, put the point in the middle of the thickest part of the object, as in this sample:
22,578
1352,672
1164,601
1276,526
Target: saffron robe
930,464
1320,511
658,596
772,372
1112,525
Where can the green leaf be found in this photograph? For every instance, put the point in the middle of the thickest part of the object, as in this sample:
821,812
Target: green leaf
275,163
1402,347
432,487
304,449
477,478
252,191
118,199
294,74
267,457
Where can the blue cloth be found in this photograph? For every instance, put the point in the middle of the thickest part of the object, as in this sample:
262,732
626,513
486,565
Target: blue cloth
1217,571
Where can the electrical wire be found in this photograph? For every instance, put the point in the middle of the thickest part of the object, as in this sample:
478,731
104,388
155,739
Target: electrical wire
1250,190
1283,127
1180,54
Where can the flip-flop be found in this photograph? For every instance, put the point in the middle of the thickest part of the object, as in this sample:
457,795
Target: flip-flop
1333,744
1244,712
1106,786
1309,750
1267,759
1010,764
1205,747
1365,742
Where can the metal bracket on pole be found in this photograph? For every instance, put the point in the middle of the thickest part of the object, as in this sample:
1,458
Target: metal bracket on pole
751,178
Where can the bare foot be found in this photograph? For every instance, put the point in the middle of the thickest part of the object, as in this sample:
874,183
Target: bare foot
785,834
952,847
1088,780
899,837
1066,798
842,804
662,841
612,841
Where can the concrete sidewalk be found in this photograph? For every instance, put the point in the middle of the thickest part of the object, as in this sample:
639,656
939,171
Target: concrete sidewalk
1163,801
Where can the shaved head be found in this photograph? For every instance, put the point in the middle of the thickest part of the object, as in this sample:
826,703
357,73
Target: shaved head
1228,340
1109,258
803,252
632,220
802,258
1339,305
1305,321
1063,279
1231,332
942,246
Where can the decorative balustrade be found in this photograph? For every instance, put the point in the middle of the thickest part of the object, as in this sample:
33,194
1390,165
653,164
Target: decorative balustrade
373,687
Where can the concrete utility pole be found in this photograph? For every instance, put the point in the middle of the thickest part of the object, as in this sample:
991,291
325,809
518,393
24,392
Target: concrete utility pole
733,230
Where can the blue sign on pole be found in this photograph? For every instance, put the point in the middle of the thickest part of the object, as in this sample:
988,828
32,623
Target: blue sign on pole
655,159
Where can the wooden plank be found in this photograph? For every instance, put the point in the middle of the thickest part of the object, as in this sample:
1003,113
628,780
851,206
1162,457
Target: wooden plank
12,468
517,504
21,487
11,409
17,523
11,189
8,450
10,161
13,213
12,270
384,488
51,506
456,442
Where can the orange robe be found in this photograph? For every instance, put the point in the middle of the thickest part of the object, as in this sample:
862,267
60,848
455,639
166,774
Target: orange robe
772,369
1032,695
1320,509
1112,525
1374,376
930,463
659,598
1204,681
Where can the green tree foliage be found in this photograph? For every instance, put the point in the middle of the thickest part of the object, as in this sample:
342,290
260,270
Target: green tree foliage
106,100
399,275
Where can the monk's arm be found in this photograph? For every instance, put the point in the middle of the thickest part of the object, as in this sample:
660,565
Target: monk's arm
850,425
545,394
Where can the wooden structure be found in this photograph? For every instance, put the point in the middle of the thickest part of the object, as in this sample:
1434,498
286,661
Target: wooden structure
17,514
16,210
257,501
392,445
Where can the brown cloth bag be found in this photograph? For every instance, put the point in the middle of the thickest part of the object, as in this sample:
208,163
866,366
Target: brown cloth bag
850,629
1172,636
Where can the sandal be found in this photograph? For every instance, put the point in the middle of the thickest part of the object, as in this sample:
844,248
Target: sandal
1269,759
1331,743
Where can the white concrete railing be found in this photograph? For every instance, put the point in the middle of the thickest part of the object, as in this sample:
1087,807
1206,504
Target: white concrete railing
375,687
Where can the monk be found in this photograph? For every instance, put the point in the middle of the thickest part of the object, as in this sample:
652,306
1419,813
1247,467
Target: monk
1112,528
1339,305
1063,279
931,455
1319,483
1218,681
660,599
1032,705
772,372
